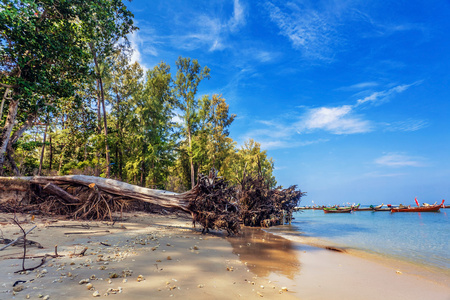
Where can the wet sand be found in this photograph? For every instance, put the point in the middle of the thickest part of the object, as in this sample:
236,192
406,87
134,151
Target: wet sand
156,257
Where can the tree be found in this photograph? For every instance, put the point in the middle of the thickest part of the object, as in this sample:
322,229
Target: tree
155,110
252,162
44,50
189,75
122,85
222,146
109,21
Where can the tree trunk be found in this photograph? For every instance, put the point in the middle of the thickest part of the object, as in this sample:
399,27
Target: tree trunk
12,163
7,129
111,186
102,98
42,151
99,129
5,96
51,153
105,130
191,159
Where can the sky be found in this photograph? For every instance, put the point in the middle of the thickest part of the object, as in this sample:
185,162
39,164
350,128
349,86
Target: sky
350,98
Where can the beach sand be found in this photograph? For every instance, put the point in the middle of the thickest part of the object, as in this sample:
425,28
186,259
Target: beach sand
151,256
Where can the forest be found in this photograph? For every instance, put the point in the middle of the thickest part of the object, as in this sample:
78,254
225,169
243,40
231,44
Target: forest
74,104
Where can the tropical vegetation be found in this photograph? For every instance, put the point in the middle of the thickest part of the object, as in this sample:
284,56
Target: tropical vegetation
73,103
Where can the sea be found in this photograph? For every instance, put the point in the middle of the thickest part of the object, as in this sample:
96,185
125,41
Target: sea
419,238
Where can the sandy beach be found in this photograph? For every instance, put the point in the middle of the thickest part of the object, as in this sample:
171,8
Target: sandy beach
150,256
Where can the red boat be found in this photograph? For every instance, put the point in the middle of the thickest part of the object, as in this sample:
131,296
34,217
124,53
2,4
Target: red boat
417,209
431,208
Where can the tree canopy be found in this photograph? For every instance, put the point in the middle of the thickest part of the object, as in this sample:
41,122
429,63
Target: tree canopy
73,103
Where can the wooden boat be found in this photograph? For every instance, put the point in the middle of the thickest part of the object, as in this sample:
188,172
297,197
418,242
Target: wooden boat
364,209
377,207
430,208
355,207
359,208
344,207
434,208
335,210
382,209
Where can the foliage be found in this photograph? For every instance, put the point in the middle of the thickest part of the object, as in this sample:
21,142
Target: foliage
188,77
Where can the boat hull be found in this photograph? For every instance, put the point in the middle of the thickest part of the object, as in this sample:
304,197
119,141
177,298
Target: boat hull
364,209
328,211
418,209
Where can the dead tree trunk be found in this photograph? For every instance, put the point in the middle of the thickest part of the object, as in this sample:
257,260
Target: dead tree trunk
211,202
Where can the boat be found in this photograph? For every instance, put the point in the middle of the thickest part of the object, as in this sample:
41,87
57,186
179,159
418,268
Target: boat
355,207
434,208
430,208
383,209
364,209
336,210
377,207
343,207
317,207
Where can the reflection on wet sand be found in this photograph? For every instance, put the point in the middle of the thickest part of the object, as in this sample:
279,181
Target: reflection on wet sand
265,253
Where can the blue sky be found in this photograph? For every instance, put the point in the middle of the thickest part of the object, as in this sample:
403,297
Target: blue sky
350,98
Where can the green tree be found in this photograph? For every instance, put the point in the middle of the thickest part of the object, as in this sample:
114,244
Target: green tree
251,161
44,50
222,146
123,84
188,77
153,121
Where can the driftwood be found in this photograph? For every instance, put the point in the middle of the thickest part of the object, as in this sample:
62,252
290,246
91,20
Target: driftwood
57,191
16,241
117,188
88,197
212,203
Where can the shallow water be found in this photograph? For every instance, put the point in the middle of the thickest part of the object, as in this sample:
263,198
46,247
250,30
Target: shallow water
421,238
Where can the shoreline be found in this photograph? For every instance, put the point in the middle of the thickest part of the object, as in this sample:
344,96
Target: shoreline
428,272
163,256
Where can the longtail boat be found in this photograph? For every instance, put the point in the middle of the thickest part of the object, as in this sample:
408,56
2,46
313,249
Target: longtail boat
382,209
431,208
355,207
417,209
377,207
335,210
364,209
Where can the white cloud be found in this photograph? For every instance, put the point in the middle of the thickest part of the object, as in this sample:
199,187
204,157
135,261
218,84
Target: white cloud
135,43
209,30
379,97
308,30
359,86
282,132
238,18
399,160
407,125
337,120
381,175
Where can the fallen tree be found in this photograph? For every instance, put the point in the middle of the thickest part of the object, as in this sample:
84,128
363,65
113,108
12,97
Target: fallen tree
88,197
211,203
264,206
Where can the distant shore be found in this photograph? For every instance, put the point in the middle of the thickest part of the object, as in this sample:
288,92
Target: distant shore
158,257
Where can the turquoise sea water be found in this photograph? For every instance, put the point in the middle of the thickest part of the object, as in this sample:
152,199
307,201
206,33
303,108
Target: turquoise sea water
421,238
